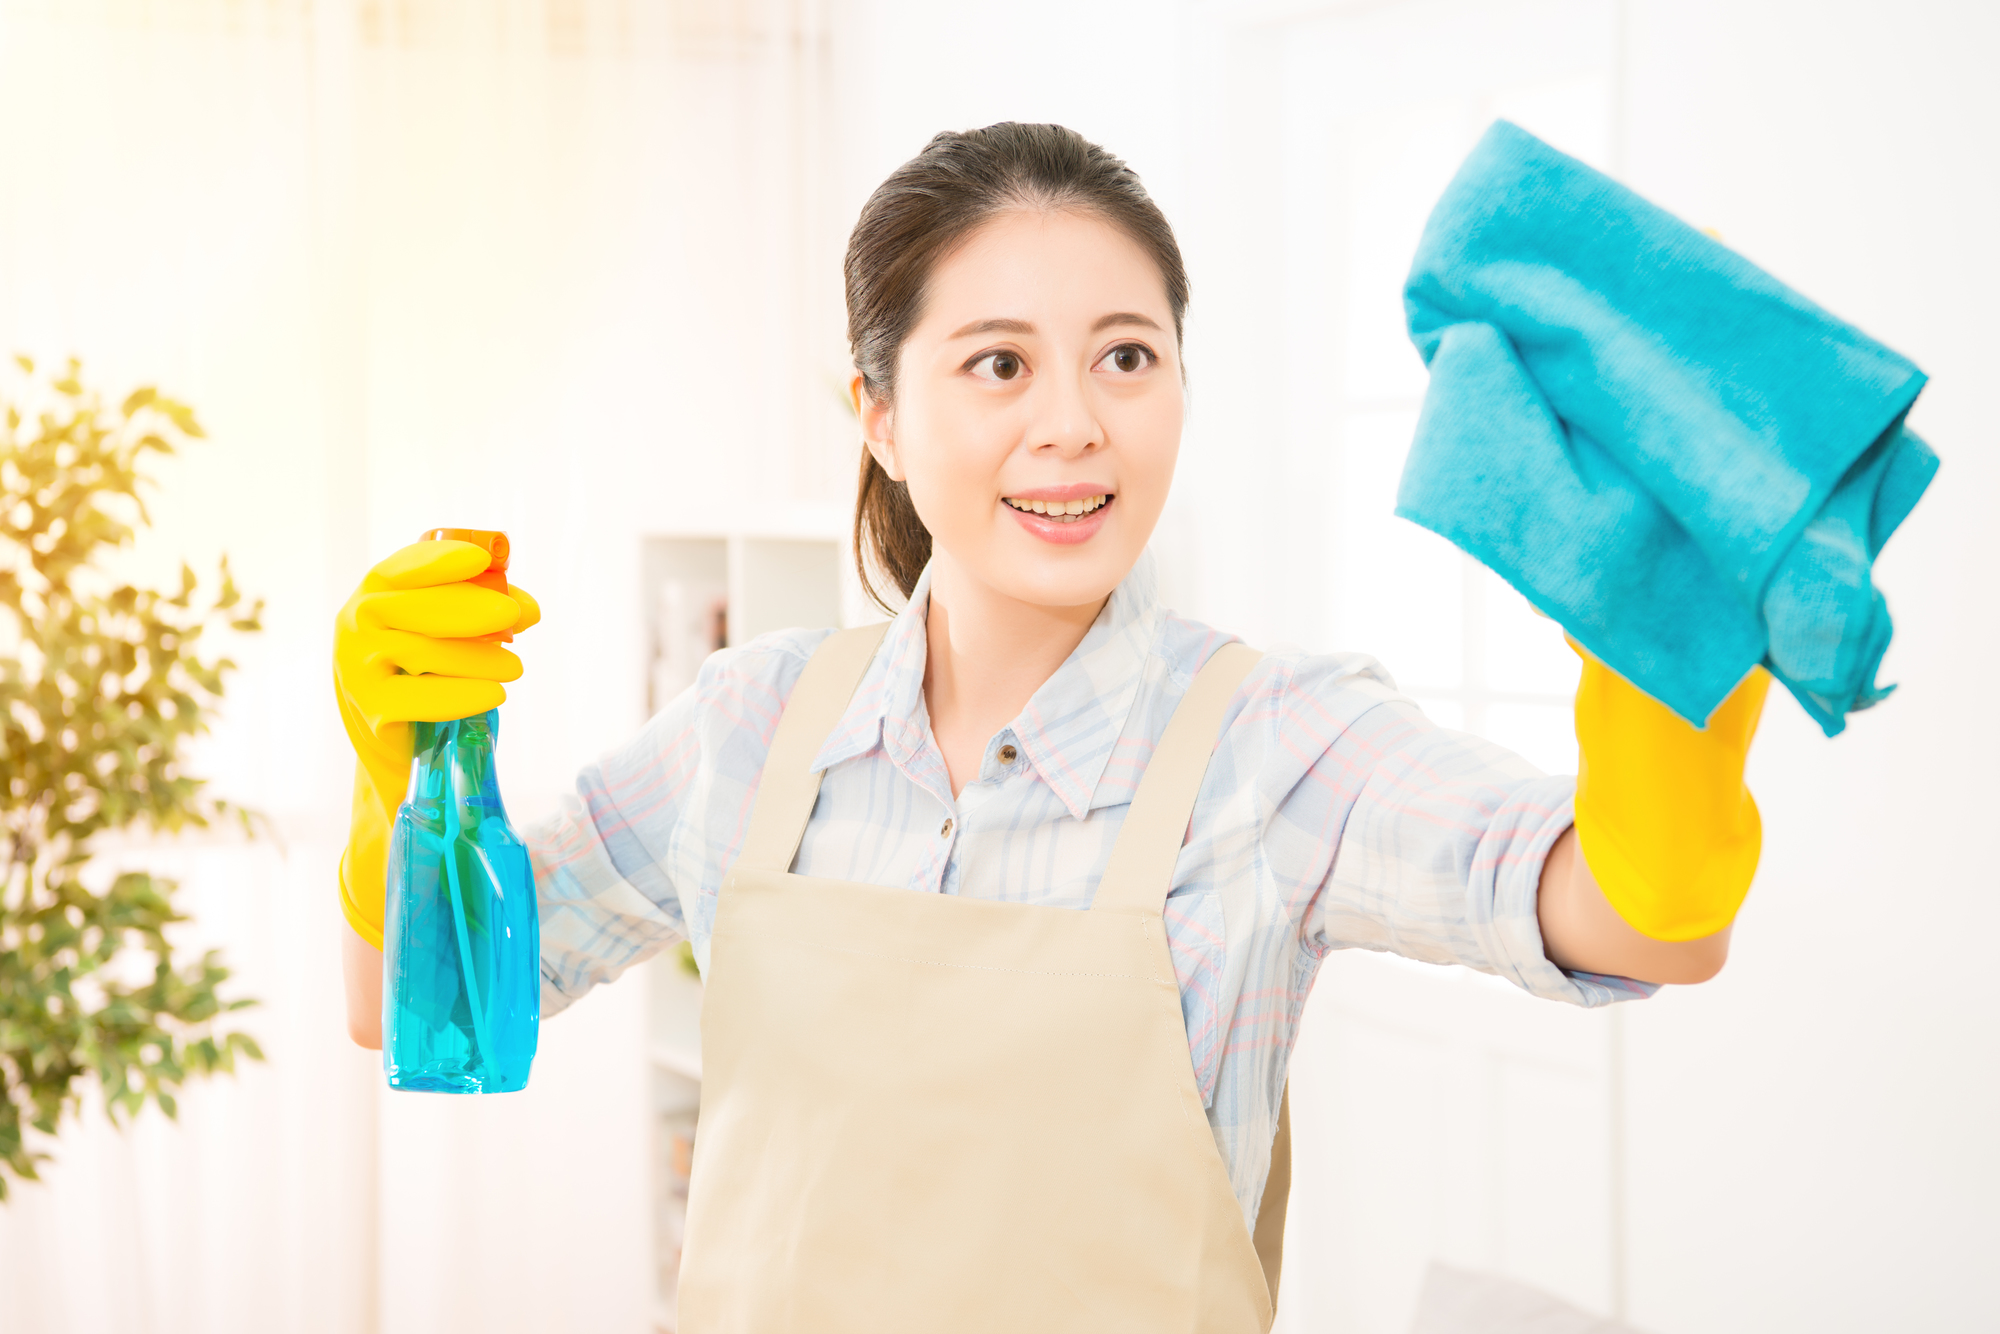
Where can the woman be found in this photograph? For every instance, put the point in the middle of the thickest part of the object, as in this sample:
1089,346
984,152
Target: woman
1009,911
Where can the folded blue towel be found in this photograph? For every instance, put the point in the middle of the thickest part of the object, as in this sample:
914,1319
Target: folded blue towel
1684,462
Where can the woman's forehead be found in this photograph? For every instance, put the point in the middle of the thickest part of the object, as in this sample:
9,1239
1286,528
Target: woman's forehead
1055,267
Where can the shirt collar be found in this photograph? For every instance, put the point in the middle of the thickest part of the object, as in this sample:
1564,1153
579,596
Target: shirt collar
1069,727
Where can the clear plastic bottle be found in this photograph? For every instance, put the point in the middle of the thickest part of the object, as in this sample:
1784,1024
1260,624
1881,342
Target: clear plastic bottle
461,1004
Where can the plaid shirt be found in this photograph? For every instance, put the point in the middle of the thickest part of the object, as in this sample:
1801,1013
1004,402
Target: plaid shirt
1333,815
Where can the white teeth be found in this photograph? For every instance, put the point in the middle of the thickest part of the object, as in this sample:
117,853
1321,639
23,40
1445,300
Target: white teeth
1061,509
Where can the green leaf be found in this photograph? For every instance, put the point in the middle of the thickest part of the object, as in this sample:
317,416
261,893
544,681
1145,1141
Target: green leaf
102,684
181,415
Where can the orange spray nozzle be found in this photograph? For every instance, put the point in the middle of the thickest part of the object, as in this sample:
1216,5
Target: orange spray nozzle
497,550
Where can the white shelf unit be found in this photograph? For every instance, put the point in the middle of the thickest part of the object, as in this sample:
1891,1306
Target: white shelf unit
674,1053
703,592
708,591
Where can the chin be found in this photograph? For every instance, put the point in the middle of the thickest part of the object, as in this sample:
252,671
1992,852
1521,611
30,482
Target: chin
1074,580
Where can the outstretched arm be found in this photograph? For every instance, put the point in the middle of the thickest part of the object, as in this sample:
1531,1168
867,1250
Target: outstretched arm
1666,840
1583,933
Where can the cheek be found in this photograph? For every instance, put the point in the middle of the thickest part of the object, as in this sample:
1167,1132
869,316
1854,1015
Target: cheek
1153,444
952,453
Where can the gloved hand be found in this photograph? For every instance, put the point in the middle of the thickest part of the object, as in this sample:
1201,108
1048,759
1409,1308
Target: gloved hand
1665,823
407,648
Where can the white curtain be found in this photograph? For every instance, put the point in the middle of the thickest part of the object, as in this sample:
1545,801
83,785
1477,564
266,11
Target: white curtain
415,262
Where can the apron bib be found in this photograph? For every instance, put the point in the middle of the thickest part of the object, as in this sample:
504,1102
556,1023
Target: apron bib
928,1113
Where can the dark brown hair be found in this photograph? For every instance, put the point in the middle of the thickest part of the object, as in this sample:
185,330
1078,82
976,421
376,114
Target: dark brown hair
929,205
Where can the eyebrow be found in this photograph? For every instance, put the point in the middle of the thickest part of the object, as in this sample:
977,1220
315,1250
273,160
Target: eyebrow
1119,317
995,326
1116,318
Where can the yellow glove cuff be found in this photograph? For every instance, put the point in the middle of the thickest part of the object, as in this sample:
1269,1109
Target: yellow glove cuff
1667,827
364,866
359,870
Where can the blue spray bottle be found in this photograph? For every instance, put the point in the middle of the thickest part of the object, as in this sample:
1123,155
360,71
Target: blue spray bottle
461,1000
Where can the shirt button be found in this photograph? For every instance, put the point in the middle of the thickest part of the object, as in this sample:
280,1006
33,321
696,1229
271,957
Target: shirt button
946,831
1008,754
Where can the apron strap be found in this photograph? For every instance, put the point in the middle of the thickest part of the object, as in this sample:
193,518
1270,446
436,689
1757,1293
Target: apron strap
788,787
1141,869
1269,1234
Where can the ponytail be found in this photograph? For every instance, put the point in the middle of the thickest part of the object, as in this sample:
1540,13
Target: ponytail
887,533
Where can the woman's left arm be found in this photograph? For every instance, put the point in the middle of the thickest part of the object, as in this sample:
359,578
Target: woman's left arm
1583,933
1666,839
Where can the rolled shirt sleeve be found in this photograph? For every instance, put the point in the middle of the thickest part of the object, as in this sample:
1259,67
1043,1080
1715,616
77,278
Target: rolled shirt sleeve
606,902
621,870
1441,841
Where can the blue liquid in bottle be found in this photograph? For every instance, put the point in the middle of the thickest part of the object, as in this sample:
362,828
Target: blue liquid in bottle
461,1004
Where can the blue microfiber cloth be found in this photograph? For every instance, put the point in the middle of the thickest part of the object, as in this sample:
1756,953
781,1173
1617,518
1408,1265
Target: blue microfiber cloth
1684,462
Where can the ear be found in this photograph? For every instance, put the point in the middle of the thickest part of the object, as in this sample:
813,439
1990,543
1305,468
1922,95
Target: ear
877,427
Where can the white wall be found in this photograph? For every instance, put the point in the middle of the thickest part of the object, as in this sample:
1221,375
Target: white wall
572,269
1811,1133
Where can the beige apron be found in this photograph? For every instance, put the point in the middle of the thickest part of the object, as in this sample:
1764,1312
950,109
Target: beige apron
921,1112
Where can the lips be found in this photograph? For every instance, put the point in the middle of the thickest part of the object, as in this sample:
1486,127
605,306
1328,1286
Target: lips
1063,516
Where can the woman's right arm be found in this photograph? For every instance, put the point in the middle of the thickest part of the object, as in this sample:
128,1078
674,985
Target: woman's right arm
602,896
631,863
361,972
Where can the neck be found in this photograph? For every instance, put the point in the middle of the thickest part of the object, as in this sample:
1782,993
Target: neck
986,655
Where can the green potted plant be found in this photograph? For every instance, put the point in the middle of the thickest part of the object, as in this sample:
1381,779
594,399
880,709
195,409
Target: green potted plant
101,684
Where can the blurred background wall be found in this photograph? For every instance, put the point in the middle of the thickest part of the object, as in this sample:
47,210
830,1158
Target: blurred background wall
570,268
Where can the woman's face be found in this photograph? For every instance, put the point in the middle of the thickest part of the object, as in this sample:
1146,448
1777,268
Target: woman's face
1038,408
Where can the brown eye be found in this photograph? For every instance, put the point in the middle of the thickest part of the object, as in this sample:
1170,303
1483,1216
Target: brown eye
997,366
1127,359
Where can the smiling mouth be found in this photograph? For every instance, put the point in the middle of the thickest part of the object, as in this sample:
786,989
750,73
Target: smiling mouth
1061,511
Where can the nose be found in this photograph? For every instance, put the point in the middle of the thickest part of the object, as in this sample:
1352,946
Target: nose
1064,424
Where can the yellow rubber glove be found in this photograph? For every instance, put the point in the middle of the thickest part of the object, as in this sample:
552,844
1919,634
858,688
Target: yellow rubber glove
1666,825
407,648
